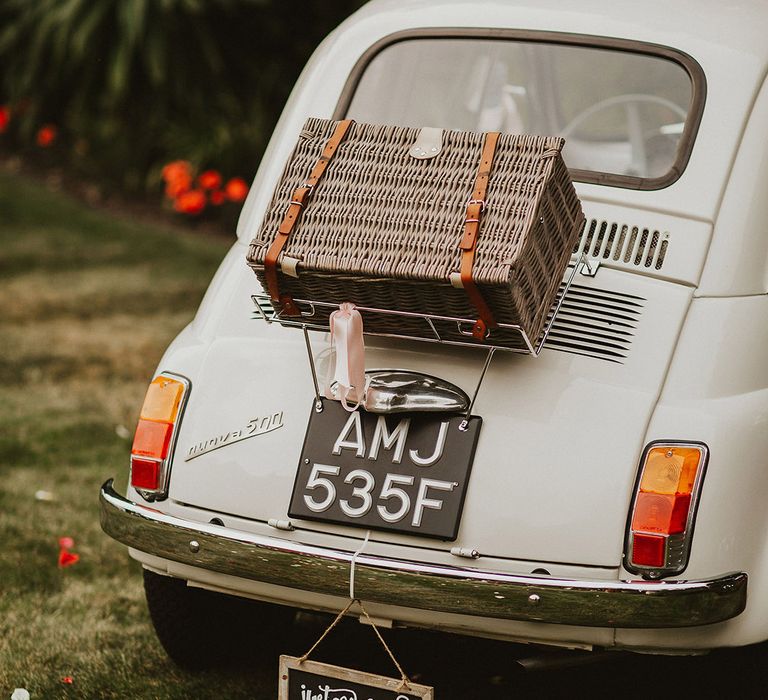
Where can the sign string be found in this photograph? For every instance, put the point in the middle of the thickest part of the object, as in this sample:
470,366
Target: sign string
328,629
357,553
405,682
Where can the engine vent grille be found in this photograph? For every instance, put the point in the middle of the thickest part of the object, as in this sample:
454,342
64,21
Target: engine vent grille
596,322
622,244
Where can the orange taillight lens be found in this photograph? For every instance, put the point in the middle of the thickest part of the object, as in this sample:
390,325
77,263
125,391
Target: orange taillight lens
663,506
152,439
670,470
661,513
163,399
154,432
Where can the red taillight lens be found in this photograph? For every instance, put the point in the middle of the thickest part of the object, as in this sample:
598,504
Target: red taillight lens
145,473
649,550
152,439
155,433
662,511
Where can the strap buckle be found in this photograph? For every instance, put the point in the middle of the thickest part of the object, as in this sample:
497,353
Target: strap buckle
470,202
481,202
306,186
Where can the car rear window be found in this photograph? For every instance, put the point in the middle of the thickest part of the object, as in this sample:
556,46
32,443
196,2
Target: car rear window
626,116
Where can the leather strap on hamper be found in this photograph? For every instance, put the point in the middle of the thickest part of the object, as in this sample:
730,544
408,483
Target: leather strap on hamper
468,245
298,200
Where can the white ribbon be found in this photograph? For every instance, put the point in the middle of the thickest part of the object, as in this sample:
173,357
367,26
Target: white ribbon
357,553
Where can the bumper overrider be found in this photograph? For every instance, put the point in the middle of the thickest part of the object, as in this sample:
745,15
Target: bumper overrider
467,591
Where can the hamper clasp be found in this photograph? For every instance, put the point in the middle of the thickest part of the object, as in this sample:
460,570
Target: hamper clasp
476,219
481,202
300,194
471,332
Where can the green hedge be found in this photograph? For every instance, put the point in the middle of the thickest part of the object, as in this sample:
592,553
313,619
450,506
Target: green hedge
132,84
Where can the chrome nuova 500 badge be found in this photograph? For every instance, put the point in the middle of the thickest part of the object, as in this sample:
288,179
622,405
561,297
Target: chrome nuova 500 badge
256,426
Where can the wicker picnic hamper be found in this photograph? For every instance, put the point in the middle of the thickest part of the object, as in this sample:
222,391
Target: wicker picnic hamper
382,228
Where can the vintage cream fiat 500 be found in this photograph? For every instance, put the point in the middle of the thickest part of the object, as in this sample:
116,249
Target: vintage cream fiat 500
617,494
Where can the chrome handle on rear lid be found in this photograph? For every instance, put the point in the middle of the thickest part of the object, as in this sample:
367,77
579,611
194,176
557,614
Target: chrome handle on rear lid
403,391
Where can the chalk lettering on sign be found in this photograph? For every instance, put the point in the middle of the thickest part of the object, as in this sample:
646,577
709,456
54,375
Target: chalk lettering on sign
302,679
328,693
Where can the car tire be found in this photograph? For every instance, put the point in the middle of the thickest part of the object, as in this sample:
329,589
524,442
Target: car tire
201,629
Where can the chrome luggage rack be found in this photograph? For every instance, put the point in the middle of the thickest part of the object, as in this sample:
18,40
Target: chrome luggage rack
307,307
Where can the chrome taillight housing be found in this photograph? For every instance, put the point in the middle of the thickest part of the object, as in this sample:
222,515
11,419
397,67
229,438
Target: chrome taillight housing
663,510
155,437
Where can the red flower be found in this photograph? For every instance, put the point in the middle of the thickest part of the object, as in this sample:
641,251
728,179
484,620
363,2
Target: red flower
46,135
177,169
210,180
236,189
192,202
5,118
67,558
218,198
180,184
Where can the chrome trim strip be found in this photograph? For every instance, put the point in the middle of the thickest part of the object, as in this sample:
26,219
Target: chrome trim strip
161,493
672,567
466,591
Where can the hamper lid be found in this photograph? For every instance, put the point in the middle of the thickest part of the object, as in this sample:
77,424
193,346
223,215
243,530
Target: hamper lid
380,211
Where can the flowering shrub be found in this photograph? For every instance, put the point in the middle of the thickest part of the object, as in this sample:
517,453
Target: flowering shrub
236,189
192,202
136,83
177,169
209,180
178,186
46,135
179,178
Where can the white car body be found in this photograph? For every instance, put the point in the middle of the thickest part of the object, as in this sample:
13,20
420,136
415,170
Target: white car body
557,461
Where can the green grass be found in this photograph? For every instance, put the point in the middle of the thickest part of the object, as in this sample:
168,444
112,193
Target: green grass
87,306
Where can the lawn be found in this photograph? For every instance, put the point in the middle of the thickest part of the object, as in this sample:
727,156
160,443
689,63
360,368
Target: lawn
88,303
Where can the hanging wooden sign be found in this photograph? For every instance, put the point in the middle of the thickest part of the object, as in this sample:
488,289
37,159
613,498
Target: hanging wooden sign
311,680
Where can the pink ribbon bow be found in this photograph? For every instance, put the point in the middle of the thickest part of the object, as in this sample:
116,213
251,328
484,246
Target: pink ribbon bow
348,370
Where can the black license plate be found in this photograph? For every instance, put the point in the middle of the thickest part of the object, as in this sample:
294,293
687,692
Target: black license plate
402,472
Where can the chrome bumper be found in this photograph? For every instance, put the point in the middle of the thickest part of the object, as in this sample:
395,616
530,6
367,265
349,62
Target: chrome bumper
466,591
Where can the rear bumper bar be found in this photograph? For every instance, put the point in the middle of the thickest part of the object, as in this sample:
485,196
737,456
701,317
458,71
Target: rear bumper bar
467,591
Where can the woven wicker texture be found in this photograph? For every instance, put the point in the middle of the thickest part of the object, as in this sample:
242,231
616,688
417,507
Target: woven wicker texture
382,229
